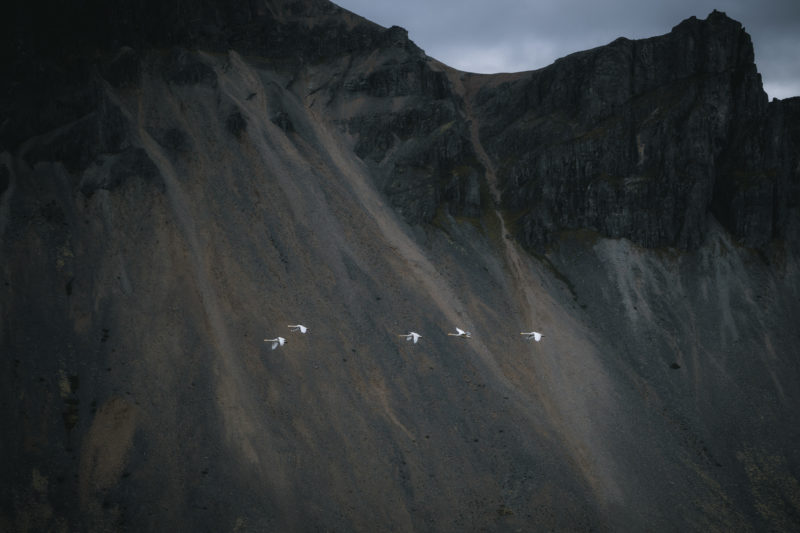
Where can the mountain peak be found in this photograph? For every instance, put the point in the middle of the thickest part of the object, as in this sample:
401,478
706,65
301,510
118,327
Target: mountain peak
181,180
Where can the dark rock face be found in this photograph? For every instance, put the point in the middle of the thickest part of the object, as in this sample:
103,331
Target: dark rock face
641,139
236,124
421,155
114,170
122,70
757,188
174,189
423,158
184,68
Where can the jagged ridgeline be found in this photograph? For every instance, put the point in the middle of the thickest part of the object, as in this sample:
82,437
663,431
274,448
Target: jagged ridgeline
181,180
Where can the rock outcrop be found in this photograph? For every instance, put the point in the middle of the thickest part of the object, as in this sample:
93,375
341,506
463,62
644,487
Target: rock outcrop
644,140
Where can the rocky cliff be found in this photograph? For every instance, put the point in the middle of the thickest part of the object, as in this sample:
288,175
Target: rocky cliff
180,180
645,140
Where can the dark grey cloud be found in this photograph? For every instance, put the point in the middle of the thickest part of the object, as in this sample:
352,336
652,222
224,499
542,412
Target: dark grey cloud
515,35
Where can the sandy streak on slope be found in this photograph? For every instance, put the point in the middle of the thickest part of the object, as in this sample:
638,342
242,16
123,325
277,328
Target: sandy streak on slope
240,427
571,410
366,195
368,198
568,412
435,286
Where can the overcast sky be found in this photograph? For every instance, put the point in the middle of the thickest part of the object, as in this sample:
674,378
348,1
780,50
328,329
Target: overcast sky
514,35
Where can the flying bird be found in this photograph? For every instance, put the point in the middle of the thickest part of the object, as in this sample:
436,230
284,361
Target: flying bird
535,335
412,336
280,341
461,333
299,327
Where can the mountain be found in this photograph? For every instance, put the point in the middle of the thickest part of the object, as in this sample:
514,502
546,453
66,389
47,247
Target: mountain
180,180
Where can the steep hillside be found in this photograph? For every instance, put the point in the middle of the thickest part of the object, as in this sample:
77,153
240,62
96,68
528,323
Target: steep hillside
174,190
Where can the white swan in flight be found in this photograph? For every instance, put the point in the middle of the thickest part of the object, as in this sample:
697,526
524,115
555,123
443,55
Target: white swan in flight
412,336
535,335
299,327
461,333
280,341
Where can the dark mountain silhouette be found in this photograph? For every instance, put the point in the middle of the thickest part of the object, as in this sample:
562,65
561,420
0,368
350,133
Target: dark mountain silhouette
180,180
